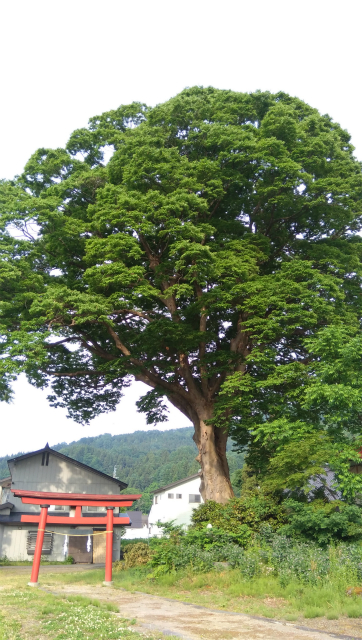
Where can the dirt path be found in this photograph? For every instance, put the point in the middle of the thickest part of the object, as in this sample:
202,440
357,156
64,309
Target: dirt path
191,622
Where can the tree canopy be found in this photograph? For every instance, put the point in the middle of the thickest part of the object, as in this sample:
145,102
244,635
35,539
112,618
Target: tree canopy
215,257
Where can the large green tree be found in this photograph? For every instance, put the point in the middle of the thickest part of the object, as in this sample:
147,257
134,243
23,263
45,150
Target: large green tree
206,259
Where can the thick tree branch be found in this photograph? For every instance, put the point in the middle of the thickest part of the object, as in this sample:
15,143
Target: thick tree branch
144,374
119,344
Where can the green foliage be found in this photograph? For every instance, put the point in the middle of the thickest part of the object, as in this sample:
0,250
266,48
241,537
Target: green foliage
216,258
240,515
178,549
319,521
323,522
135,555
267,553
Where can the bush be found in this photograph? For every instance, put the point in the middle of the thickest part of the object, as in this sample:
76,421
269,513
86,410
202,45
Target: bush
241,515
323,522
246,519
135,555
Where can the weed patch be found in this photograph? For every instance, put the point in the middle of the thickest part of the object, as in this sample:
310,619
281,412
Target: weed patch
313,612
37,614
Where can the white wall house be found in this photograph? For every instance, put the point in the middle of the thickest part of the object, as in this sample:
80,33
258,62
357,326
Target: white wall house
176,502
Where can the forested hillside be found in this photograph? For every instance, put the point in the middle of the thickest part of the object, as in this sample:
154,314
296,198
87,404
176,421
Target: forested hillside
144,459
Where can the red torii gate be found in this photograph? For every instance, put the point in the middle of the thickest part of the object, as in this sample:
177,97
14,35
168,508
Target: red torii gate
76,500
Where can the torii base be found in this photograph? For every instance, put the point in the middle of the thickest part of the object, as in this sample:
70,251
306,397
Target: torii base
108,584
33,584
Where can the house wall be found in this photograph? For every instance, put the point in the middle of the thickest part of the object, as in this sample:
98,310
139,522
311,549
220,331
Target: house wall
60,476
144,533
13,541
180,509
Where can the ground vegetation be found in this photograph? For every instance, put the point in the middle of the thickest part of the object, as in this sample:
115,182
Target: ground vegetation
34,613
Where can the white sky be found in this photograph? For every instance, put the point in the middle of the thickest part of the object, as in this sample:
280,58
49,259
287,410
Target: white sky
63,62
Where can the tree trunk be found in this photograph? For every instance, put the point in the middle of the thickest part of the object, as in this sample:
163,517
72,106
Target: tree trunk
215,477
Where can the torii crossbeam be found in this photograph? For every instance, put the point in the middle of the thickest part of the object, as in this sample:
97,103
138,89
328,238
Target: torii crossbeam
75,501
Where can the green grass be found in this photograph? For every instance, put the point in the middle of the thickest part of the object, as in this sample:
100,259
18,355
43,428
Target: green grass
332,615
9,629
313,612
34,614
4,562
228,590
354,610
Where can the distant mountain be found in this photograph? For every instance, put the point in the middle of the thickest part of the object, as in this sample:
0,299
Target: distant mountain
143,459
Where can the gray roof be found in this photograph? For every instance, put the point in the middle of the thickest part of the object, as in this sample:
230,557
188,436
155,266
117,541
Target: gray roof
122,485
175,484
6,505
136,519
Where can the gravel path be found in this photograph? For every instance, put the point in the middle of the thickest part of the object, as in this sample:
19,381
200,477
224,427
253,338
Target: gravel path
189,621
192,622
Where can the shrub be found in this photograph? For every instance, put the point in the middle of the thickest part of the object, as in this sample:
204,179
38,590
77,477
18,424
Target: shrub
135,555
251,511
323,522
209,538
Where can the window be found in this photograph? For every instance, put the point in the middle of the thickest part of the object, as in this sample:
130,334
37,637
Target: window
90,509
178,496
194,497
45,459
156,499
58,507
31,542
170,496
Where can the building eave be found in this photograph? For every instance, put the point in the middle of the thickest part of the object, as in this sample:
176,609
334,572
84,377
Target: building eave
176,484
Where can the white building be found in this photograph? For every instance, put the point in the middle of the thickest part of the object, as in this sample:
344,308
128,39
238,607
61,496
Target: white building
175,502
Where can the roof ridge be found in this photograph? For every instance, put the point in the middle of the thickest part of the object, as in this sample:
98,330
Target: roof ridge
175,484
62,456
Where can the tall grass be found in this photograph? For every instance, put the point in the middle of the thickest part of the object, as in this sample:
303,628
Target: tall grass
277,577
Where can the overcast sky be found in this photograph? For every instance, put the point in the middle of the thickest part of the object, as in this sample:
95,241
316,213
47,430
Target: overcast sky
63,62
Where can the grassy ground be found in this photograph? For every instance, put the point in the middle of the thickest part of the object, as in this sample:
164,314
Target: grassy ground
31,613
227,590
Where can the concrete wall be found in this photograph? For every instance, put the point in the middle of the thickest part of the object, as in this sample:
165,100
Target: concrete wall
60,476
177,509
